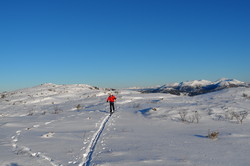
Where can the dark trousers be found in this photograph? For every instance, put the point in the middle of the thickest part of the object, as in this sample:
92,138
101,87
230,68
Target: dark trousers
112,107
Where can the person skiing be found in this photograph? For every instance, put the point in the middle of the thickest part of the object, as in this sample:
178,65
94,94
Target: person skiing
111,99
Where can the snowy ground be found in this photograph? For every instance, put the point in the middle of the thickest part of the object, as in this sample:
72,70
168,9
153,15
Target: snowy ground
69,125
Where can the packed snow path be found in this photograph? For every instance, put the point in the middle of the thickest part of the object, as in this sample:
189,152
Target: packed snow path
88,155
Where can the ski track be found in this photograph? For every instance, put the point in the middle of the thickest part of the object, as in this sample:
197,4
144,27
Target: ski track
87,156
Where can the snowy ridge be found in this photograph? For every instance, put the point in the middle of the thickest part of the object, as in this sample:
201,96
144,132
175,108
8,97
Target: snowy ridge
196,87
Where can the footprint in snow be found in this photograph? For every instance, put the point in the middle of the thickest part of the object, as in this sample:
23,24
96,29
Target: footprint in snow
48,135
36,126
46,123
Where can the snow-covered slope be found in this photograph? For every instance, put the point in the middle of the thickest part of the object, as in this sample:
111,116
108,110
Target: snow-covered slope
196,87
69,125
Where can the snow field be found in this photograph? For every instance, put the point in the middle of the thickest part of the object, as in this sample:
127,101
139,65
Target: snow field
43,126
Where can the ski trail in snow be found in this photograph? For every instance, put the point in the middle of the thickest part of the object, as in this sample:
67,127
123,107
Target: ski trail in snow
87,156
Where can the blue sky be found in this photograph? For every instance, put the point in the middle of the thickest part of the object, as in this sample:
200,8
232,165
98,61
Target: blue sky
122,43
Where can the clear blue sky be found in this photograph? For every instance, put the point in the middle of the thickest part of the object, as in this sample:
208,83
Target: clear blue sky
122,43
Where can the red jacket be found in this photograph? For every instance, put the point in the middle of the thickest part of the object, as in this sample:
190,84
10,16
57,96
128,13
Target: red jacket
111,98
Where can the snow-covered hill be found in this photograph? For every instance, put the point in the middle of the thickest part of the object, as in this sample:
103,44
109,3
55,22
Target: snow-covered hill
69,125
196,87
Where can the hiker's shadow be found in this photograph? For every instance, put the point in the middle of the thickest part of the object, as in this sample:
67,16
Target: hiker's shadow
104,111
201,136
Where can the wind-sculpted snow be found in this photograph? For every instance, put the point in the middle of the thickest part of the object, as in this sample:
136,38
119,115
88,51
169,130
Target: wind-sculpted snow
69,125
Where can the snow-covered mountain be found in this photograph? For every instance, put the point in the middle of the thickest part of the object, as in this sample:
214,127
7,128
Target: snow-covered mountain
196,87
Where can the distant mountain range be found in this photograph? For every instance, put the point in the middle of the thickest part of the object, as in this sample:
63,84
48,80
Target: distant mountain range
196,87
